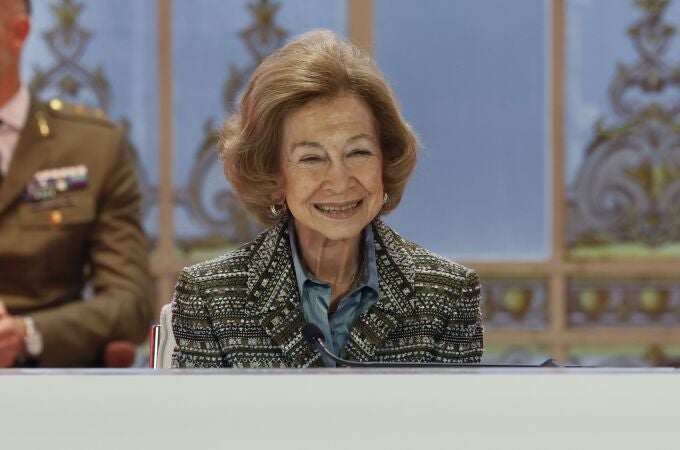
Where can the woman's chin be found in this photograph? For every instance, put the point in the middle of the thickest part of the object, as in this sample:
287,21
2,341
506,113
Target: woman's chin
335,229
342,232
334,225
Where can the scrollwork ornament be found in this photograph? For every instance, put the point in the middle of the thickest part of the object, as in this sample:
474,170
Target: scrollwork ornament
221,213
627,189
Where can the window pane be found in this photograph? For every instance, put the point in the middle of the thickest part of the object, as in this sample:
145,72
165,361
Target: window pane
217,44
472,79
623,149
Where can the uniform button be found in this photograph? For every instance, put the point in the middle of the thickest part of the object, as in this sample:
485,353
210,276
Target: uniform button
56,217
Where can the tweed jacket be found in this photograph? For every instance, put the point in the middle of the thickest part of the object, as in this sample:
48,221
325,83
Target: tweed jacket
243,309
51,247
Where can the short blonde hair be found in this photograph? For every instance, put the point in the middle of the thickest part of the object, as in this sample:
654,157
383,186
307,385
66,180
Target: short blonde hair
316,64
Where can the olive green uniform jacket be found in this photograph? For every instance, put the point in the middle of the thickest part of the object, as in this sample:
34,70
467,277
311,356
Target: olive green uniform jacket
243,309
50,249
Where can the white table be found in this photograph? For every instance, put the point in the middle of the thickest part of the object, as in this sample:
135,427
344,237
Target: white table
340,409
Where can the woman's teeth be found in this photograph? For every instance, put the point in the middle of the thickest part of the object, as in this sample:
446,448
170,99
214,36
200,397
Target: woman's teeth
333,208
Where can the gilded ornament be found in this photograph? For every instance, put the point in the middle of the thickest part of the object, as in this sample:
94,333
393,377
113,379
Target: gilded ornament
517,301
593,302
654,301
627,189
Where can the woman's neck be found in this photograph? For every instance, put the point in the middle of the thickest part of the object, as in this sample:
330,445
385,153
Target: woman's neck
333,261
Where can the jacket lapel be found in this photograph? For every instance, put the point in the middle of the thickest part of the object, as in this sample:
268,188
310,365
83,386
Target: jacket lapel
30,155
274,295
396,279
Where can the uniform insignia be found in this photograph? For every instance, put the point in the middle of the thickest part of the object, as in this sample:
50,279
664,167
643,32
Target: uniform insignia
46,184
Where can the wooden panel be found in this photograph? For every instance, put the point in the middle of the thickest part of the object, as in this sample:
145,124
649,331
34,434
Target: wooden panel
164,257
360,26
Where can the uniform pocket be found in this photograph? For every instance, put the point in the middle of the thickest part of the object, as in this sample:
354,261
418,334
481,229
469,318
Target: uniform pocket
60,229
62,211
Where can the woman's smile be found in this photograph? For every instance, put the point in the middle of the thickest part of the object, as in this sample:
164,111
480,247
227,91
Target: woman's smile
339,210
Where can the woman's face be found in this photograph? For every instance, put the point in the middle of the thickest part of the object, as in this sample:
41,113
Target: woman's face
331,166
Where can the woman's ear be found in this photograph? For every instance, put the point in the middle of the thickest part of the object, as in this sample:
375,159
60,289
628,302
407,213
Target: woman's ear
279,195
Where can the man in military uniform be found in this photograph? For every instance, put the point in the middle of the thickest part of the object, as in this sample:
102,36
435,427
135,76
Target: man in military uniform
69,216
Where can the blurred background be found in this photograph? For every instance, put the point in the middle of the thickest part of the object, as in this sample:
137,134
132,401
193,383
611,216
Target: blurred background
551,133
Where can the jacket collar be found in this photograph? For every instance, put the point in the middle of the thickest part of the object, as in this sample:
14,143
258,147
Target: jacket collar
396,278
273,293
16,110
274,296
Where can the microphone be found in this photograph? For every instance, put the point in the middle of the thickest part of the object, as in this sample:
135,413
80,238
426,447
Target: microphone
315,338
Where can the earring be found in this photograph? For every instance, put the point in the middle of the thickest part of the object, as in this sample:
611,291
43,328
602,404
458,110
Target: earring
385,197
277,212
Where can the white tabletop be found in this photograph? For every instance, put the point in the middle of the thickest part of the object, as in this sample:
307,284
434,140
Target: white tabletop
341,409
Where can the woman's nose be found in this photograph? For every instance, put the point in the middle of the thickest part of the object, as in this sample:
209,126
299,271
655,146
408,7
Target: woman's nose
338,177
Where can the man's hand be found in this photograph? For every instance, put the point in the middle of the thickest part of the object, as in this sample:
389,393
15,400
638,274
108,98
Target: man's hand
12,332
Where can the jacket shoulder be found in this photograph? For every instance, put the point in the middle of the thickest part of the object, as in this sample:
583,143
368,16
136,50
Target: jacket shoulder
456,287
230,265
430,268
227,266
438,275
77,113
427,261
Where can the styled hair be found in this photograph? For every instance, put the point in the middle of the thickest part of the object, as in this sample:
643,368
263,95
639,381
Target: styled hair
27,6
317,64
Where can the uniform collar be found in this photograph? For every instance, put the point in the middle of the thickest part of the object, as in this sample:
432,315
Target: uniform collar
15,111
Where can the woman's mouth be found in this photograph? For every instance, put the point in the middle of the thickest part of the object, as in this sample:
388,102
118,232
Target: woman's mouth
338,210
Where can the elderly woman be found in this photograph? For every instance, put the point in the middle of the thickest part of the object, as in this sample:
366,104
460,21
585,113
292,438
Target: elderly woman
319,151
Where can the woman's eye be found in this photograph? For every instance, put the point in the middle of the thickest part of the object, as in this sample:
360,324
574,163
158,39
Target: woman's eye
310,159
360,152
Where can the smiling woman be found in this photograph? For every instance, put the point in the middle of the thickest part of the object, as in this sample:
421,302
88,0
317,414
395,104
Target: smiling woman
319,151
